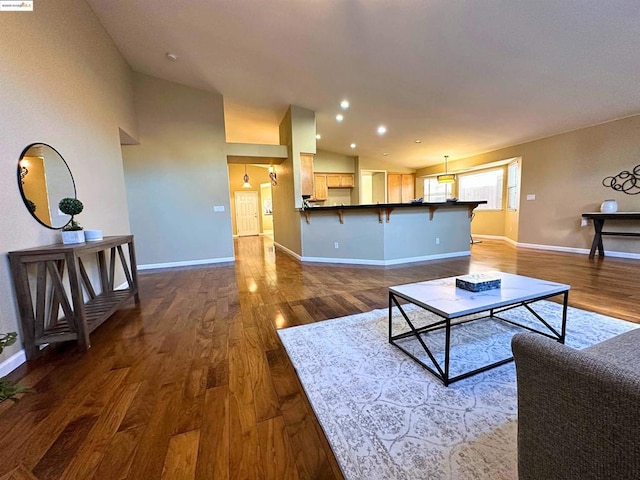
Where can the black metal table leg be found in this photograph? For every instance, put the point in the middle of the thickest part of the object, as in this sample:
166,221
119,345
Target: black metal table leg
598,224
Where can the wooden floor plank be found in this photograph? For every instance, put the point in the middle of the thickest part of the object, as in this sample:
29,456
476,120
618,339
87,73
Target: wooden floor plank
180,463
213,449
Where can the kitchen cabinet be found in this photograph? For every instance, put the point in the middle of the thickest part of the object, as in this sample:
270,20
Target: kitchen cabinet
400,187
340,180
322,182
320,189
306,174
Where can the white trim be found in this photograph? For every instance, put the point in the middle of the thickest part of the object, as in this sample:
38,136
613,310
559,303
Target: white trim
496,237
13,362
584,251
366,261
287,251
186,263
556,248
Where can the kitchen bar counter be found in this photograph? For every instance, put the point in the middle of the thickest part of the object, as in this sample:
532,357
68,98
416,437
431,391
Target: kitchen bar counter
386,234
384,209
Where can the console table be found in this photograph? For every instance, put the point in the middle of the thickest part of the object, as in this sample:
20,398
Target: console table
599,218
83,310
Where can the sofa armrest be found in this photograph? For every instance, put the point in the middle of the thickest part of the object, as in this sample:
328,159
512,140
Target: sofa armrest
578,413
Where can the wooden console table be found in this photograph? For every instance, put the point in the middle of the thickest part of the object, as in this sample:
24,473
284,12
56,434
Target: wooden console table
40,319
599,218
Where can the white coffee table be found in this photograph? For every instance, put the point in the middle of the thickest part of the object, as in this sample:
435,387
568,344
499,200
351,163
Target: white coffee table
450,303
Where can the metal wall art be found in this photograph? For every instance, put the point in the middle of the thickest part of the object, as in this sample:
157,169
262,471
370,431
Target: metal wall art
626,182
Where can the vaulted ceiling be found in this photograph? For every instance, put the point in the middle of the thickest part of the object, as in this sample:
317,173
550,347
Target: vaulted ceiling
461,77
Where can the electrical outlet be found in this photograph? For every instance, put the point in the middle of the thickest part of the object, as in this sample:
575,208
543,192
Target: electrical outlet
584,222
335,245
437,240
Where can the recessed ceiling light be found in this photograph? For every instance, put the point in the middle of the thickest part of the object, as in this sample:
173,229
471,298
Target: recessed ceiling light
339,117
384,154
353,145
382,130
418,141
344,104
172,56
318,136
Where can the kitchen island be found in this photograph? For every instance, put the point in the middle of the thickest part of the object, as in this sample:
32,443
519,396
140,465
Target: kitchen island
386,234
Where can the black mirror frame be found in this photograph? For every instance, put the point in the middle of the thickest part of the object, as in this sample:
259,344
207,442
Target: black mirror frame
25,199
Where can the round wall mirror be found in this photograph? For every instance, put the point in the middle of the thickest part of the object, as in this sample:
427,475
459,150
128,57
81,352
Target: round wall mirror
44,179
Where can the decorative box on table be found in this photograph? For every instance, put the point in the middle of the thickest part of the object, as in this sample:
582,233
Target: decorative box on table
478,282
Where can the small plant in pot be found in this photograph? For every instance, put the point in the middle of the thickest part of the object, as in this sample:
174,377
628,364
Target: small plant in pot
72,231
7,390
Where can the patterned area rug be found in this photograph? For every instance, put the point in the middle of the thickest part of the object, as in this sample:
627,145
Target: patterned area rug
386,417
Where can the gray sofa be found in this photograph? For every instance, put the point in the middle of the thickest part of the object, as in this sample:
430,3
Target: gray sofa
578,410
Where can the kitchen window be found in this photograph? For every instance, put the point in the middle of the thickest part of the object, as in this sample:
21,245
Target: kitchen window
512,186
436,192
486,185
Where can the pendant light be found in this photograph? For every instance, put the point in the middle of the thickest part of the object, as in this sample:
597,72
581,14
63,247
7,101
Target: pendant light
446,177
246,183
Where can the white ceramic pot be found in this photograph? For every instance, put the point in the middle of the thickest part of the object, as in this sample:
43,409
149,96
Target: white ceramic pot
92,235
75,236
609,206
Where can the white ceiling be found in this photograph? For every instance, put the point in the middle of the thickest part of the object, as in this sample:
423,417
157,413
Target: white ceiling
463,76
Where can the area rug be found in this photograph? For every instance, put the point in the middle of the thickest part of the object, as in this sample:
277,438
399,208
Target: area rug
386,417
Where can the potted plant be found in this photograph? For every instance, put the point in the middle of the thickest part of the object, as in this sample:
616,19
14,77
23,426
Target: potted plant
72,231
7,390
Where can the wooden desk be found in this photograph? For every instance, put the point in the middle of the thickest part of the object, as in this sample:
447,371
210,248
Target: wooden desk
40,319
599,218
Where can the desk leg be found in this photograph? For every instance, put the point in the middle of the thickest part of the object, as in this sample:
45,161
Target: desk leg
78,302
598,224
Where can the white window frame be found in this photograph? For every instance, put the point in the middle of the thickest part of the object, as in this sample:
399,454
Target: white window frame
428,182
483,207
513,186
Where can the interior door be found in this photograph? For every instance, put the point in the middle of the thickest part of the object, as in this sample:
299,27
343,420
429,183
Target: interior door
247,213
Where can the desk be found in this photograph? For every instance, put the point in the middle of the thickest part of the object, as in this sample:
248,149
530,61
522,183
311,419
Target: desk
599,218
40,320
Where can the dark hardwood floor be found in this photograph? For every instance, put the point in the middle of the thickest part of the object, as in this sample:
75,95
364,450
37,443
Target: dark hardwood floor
194,383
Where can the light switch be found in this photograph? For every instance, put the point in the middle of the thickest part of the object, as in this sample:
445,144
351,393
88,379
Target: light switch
531,196
218,208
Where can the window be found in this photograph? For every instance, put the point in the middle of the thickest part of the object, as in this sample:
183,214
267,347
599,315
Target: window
486,185
436,192
512,186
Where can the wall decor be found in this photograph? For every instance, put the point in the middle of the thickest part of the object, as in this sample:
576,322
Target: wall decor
44,178
625,181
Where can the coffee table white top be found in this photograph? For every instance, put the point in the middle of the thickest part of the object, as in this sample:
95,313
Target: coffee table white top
442,297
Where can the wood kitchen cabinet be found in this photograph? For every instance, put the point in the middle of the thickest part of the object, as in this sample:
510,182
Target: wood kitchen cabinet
306,174
340,180
400,187
322,182
320,189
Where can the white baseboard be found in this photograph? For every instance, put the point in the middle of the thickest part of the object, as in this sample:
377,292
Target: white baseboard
287,251
395,261
187,263
365,261
583,251
13,362
496,237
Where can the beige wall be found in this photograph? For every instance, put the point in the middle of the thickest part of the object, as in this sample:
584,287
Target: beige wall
257,175
324,161
565,174
177,174
64,83
297,131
